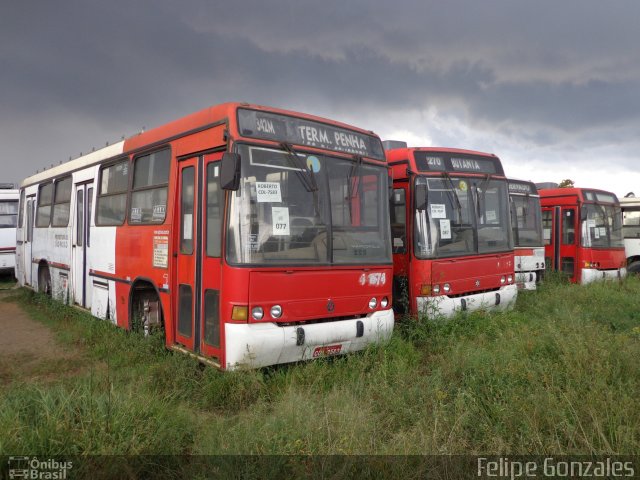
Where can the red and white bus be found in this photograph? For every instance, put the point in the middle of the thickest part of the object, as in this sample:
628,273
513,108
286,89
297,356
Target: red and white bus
8,222
255,236
583,233
630,206
526,222
451,230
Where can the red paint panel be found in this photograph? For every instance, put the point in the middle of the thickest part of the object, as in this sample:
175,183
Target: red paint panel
305,295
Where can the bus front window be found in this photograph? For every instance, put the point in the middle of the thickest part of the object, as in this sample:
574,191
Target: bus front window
525,221
297,208
602,226
462,216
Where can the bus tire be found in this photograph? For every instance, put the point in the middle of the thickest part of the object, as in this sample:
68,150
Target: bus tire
44,280
634,268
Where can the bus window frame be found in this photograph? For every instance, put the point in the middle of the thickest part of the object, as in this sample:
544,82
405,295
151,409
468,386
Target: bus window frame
99,194
159,186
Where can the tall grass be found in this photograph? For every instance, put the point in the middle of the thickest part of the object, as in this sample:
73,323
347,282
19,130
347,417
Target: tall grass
557,375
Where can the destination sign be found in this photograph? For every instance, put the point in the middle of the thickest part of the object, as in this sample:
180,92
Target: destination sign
523,188
298,131
442,162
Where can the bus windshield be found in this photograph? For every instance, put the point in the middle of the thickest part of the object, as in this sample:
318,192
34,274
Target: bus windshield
602,226
525,221
8,213
297,208
461,216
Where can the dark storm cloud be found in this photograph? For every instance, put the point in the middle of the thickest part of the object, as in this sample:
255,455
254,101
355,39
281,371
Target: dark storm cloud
77,73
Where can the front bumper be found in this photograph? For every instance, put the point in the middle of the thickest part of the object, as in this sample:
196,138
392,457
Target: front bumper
592,274
261,344
502,299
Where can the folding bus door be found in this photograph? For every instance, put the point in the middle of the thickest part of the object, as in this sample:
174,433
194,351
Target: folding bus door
198,224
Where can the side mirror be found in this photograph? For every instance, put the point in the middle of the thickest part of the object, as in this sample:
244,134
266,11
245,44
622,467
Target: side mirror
230,171
421,197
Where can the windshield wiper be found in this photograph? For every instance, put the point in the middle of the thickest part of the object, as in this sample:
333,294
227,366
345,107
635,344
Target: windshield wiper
452,194
306,176
481,189
353,187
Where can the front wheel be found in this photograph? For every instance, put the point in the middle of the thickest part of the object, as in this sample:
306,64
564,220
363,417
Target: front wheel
634,268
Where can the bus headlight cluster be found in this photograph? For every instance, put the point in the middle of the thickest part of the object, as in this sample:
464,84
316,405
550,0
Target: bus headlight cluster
436,289
373,303
510,278
503,279
384,302
446,287
258,312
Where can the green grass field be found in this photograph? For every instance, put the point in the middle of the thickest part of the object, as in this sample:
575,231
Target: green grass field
558,375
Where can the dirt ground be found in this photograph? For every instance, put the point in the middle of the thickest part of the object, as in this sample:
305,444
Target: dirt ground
28,349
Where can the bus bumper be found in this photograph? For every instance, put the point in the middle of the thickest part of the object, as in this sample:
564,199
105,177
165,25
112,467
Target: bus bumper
7,261
262,344
592,274
442,305
527,280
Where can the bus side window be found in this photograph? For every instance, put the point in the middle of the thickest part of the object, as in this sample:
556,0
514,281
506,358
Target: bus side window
399,221
215,196
568,227
62,203
45,198
149,193
112,194
546,226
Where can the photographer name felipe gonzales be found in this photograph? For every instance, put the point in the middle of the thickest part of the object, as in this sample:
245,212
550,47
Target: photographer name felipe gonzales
555,467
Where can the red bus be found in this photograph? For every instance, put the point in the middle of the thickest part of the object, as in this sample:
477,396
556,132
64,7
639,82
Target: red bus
526,222
451,230
583,233
8,222
254,236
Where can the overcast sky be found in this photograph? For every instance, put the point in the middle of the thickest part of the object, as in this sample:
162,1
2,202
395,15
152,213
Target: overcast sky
552,87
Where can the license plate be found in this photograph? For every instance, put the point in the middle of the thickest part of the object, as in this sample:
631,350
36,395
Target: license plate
327,350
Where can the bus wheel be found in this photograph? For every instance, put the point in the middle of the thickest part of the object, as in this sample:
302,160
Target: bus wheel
634,268
146,312
44,280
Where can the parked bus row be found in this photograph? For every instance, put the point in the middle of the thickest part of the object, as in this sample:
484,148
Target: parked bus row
255,236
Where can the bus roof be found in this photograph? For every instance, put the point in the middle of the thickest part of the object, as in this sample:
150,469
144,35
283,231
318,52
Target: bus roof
582,194
197,121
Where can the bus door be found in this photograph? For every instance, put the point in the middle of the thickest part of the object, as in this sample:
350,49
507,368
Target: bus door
564,240
198,224
83,193
27,238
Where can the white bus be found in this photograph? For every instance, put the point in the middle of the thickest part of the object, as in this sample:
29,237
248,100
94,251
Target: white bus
630,206
8,222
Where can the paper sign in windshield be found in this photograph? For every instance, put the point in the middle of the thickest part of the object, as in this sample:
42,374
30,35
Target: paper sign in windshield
438,210
268,192
445,229
280,218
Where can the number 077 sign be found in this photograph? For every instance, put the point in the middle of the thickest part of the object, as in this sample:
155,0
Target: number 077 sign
280,219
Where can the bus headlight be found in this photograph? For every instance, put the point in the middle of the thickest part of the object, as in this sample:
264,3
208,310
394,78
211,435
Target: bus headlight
510,278
502,279
257,313
373,303
436,289
384,302
276,311
446,288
